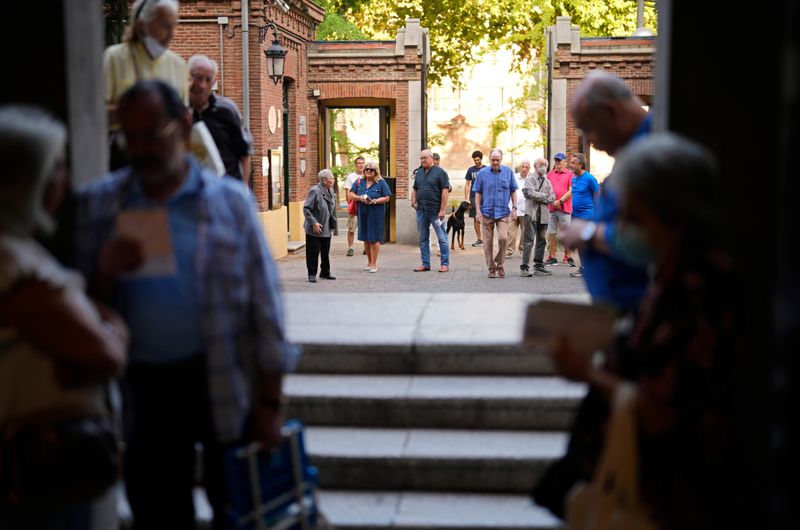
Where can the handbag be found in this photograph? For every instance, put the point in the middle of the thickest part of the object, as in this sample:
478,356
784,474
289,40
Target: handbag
352,207
53,463
611,500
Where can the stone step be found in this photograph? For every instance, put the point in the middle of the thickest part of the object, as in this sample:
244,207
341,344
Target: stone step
463,402
399,510
432,459
384,358
415,333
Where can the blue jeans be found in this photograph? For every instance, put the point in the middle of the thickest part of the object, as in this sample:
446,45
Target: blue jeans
424,221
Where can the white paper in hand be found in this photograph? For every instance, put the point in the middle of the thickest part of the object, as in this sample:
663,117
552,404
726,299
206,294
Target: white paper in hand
151,229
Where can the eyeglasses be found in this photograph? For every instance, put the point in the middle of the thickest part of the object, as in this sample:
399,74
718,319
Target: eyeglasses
152,135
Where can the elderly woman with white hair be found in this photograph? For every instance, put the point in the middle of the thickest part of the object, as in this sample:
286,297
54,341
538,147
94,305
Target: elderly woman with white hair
320,213
143,54
56,346
670,379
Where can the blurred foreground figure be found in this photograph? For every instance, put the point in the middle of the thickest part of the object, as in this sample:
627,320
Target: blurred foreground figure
58,451
679,354
181,254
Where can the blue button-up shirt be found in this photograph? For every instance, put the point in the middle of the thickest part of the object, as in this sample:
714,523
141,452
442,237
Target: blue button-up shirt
163,313
241,309
495,189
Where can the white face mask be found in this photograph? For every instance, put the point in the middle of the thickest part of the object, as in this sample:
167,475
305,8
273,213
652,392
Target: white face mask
153,47
541,170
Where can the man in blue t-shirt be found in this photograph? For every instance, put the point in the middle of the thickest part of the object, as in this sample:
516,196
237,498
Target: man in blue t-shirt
469,193
584,196
611,117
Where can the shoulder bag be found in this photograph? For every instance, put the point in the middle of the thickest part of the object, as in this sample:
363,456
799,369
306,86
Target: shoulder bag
611,500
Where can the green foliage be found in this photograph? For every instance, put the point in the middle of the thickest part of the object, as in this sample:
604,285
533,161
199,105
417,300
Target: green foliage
342,145
115,13
436,140
336,27
461,30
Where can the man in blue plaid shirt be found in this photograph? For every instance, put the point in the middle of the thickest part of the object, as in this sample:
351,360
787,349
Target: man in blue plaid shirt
208,344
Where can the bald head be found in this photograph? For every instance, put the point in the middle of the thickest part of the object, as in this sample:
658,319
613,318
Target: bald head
606,110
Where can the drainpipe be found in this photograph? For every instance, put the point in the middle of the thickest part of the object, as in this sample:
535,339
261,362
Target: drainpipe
422,89
246,63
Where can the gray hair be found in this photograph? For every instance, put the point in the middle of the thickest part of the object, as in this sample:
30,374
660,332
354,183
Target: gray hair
436,156
325,174
147,10
673,177
496,150
581,159
198,60
31,142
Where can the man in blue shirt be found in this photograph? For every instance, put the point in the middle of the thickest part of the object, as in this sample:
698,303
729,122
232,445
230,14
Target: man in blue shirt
494,187
610,116
584,196
208,343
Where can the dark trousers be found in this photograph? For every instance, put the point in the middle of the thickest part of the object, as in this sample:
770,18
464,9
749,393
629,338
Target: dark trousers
170,413
317,247
537,232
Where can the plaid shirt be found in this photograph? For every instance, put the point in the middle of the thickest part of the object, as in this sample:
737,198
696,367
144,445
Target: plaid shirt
243,319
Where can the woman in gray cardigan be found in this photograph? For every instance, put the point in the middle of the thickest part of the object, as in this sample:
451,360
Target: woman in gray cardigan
320,213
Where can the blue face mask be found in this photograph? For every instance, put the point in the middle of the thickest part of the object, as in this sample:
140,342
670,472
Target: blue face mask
634,246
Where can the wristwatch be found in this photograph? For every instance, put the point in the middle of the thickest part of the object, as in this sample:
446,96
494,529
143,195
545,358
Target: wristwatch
588,231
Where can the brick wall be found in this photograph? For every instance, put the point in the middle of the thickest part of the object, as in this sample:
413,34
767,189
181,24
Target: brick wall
199,33
369,74
628,58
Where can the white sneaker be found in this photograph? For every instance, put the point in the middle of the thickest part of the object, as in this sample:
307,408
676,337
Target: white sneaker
373,269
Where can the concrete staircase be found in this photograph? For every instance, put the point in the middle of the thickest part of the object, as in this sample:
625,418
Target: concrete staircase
428,421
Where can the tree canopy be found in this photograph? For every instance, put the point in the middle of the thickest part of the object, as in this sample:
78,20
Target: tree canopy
461,30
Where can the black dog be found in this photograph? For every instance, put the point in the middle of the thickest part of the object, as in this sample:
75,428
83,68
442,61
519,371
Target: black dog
456,223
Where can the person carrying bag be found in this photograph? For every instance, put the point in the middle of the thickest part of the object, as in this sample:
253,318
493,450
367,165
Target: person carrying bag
611,500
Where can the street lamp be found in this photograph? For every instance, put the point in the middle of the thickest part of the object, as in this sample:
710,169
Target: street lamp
276,54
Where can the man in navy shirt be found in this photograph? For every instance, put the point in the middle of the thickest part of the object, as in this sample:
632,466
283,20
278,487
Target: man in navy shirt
429,198
221,116
584,196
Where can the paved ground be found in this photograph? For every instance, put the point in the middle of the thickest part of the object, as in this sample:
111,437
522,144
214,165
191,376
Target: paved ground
468,273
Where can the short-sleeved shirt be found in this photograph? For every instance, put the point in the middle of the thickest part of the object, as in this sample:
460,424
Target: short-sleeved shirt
495,190
350,180
562,182
429,185
225,125
584,195
520,195
126,63
472,174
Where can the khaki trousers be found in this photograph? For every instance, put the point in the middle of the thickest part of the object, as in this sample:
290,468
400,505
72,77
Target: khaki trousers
515,227
487,234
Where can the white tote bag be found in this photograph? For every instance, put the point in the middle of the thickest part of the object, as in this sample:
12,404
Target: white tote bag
203,147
